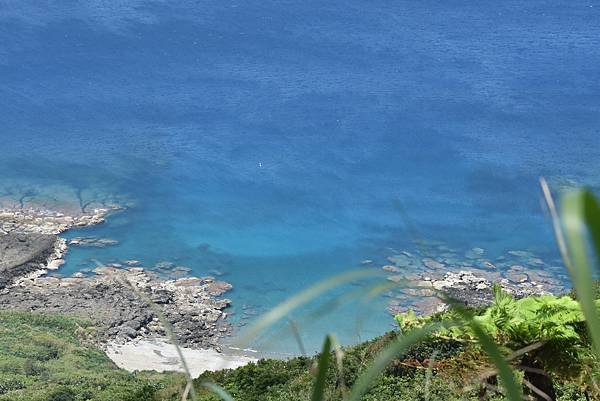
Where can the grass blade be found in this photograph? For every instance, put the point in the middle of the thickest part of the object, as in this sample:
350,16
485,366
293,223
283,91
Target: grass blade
580,213
592,219
514,391
339,359
168,330
320,382
218,390
284,309
326,309
391,351
297,337
429,374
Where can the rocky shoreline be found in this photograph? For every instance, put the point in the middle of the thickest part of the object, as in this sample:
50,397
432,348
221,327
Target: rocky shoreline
29,241
27,254
465,277
123,303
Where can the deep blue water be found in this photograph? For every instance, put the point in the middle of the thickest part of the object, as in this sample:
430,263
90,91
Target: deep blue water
283,142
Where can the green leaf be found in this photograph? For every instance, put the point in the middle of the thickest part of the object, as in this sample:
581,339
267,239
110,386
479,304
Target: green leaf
320,382
592,218
283,309
513,390
383,359
218,390
580,213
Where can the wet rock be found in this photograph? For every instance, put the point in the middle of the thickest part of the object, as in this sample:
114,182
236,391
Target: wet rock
516,274
432,264
93,242
165,265
474,253
475,291
520,254
215,272
38,221
400,260
392,269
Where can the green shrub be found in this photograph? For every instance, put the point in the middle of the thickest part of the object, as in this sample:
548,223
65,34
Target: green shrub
45,358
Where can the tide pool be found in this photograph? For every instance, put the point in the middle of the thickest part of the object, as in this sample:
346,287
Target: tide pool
276,144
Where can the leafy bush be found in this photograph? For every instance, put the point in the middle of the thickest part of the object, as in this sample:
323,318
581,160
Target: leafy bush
514,323
42,358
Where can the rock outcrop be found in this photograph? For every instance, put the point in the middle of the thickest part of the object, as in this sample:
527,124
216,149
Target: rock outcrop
127,303
23,254
123,304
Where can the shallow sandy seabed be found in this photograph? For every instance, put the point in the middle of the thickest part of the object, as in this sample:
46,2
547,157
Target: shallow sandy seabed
161,356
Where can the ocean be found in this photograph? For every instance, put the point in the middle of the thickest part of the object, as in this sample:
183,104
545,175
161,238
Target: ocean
275,144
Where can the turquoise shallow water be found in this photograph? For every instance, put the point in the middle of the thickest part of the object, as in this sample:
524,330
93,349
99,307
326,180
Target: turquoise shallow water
284,142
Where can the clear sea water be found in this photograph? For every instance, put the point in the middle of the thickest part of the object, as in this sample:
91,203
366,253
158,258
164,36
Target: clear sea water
279,143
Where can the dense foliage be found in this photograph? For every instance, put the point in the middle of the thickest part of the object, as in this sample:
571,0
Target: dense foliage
551,329
553,343
46,358
514,323
455,367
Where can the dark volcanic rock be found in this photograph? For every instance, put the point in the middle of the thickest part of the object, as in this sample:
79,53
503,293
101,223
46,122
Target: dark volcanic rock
21,254
117,302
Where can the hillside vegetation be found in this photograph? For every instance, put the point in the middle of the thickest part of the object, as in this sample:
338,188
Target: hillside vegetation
548,333
49,358
536,348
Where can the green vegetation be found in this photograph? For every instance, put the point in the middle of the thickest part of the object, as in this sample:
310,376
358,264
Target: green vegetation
542,348
539,348
48,358
544,333
437,369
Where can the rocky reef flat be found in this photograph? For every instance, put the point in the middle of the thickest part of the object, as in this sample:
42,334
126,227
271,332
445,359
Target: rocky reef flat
123,303
25,254
29,241
466,276
126,304
127,301
40,221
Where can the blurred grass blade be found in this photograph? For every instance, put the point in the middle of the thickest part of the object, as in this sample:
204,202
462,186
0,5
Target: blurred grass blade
580,212
339,359
284,309
168,330
429,374
385,357
514,391
363,294
297,337
592,219
320,382
218,390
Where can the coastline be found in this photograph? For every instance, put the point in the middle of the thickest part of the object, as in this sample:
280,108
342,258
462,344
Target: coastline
115,298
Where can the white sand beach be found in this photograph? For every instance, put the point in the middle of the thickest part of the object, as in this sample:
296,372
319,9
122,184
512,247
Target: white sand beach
161,356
